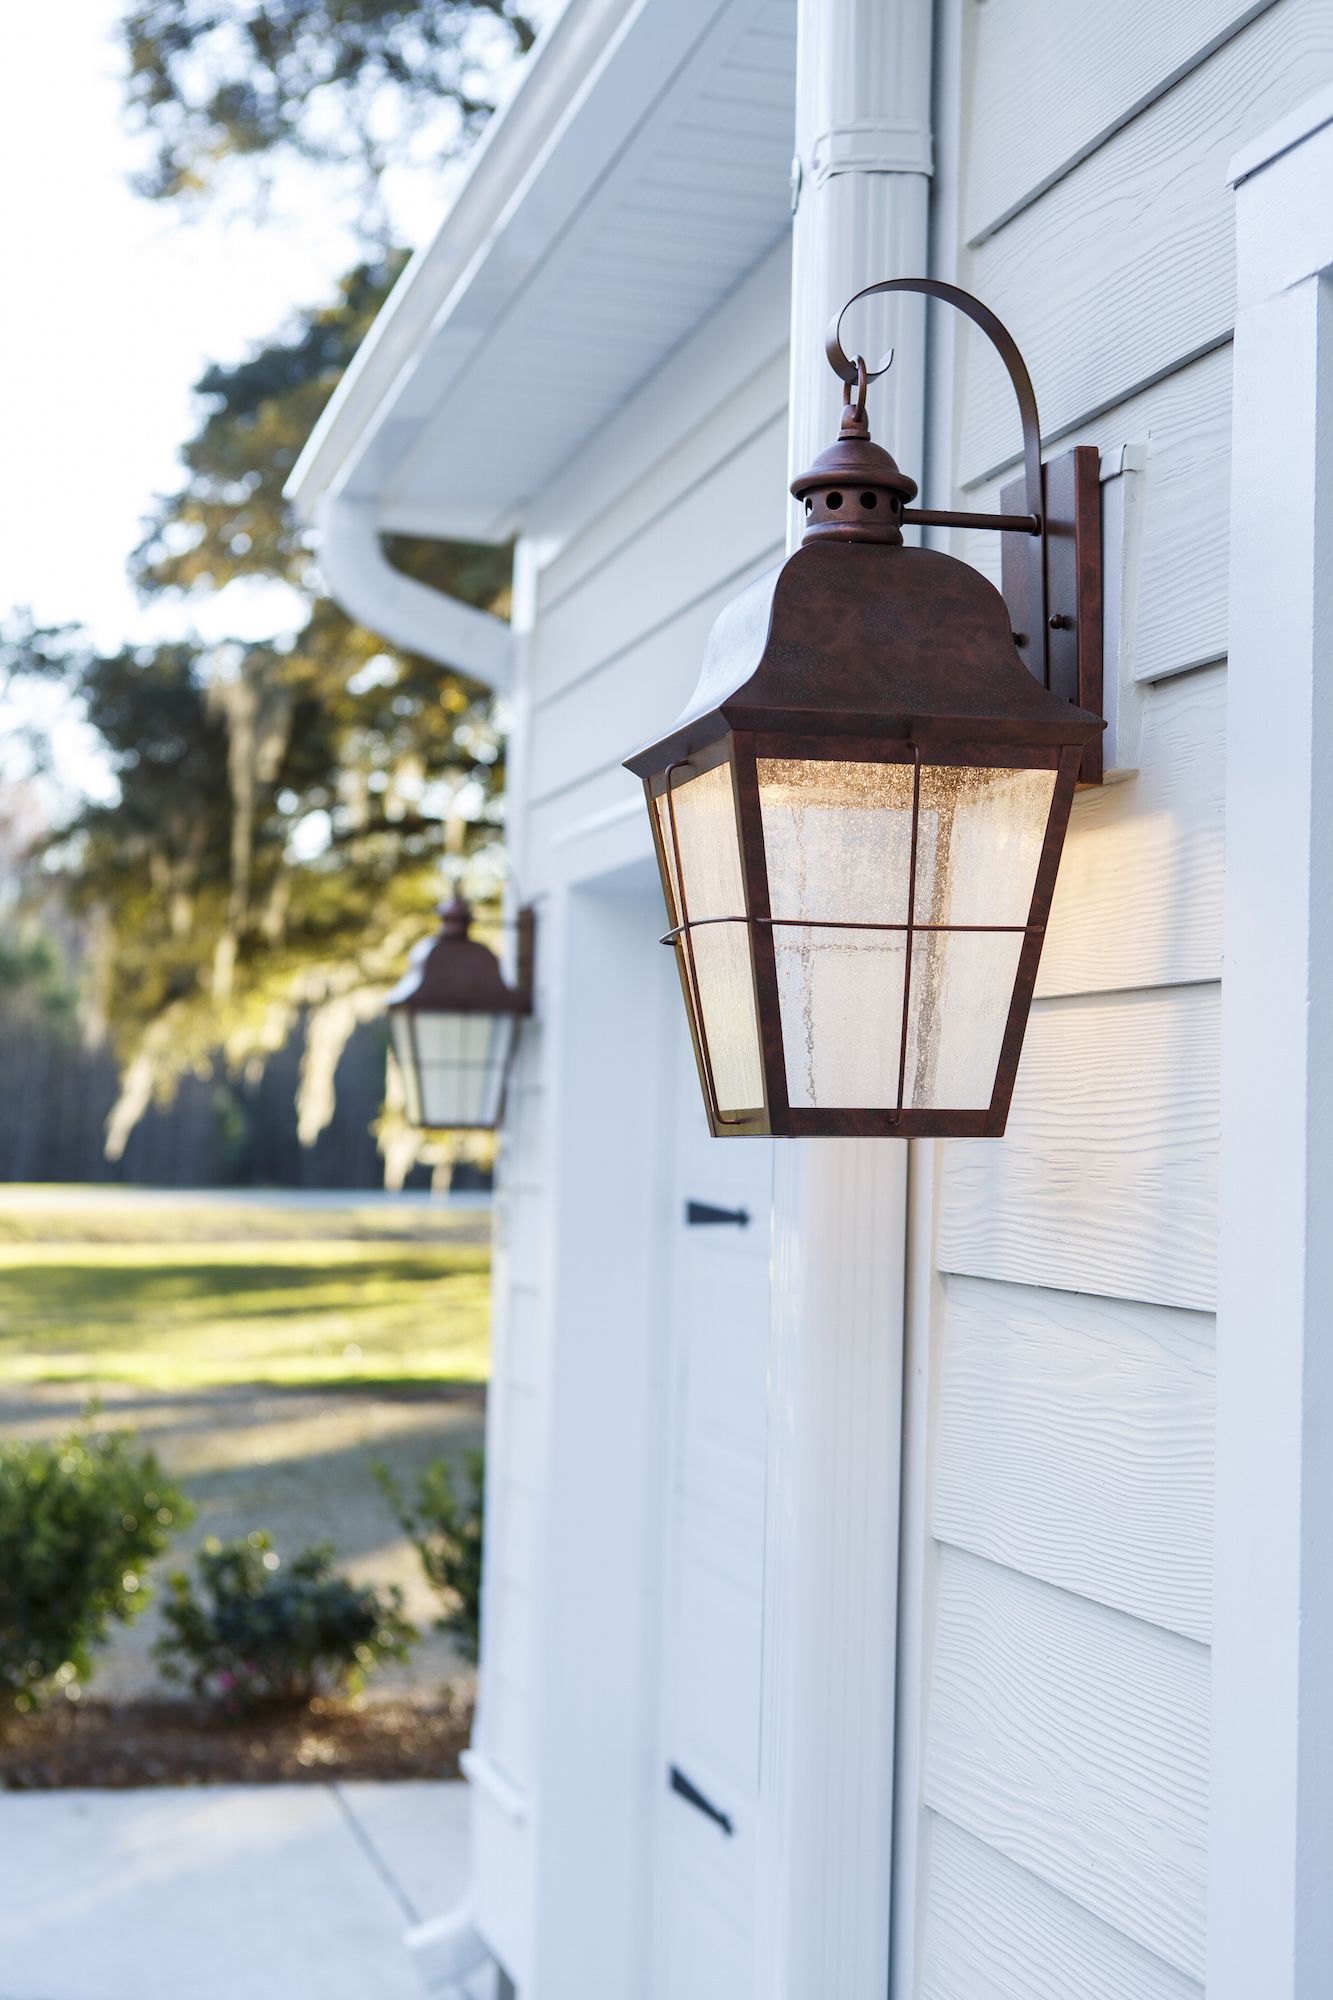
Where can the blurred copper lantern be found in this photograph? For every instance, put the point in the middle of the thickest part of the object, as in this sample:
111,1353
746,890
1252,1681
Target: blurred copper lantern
858,818
454,1022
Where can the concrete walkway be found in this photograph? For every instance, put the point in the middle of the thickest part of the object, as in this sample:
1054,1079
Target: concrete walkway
278,1892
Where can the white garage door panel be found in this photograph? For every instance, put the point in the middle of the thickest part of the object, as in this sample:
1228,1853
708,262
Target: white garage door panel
718,1684
726,1504
724,1387
709,1957
713,1559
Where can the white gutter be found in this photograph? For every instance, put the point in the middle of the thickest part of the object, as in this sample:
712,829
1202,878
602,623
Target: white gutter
824,1856
406,613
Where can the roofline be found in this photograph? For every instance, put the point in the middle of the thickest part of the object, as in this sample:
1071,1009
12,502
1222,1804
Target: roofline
561,70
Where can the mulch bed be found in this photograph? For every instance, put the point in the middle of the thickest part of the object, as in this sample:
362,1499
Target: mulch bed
120,1744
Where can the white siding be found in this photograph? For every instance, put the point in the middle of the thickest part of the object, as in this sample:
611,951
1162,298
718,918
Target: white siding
1113,1402
1126,268
1065,1470
624,609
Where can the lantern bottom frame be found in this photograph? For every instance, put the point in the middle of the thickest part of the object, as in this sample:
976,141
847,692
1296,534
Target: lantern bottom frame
778,1118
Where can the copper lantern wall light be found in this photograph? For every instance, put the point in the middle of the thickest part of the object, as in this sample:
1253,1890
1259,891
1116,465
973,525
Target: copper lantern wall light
859,816
454,1021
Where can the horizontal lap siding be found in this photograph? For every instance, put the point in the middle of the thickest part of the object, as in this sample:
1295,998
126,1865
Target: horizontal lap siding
626,608
1069,1455
1075,1443
1074,1742
998,1932
1052,96
1138,901
1124,270
583,733
1182,429
1107,1180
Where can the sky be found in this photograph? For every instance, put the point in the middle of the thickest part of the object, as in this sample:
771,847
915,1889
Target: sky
113,307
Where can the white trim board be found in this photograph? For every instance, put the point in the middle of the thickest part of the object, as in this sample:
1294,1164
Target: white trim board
1270,1918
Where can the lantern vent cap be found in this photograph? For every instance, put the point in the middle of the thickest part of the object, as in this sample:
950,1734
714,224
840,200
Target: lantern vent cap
855,490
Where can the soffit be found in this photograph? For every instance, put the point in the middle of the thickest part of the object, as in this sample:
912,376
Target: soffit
657,189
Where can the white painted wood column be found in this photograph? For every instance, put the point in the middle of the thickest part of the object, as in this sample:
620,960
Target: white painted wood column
1270,1929
835,1374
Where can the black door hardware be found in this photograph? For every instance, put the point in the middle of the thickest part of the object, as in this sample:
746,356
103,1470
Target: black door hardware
702,1211
694,1797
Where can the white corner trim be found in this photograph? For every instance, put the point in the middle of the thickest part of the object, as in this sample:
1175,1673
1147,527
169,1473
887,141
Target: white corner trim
478,1769
1289,132
1270,1916
403,611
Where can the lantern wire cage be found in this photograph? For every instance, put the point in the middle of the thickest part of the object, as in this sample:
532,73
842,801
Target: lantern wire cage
681,935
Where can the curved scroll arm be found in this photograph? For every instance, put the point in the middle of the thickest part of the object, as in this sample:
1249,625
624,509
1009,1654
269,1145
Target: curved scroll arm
1000,338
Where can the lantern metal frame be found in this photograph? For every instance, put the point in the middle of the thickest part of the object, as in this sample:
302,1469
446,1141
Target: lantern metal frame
455,974
807,689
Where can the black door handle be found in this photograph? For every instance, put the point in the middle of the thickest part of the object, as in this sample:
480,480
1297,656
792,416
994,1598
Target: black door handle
703,1211
694,1797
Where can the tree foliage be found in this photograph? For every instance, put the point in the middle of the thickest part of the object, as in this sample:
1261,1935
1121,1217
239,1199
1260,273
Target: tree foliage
275,840
219,83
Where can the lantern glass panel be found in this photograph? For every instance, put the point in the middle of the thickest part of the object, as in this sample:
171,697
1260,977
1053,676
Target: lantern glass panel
453,1066
706,840
838,846
978,849
400,1035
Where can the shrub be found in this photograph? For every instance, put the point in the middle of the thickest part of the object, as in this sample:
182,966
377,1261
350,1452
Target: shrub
446,1531
260,1631
81,1517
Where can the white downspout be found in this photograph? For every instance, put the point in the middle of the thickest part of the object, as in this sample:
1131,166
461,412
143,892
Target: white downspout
401,610
835,1357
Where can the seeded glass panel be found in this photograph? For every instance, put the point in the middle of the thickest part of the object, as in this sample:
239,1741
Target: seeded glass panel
705,816
838,843
978,850
460,1067
400,1031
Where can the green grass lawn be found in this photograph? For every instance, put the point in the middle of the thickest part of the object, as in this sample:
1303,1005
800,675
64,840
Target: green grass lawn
291,1304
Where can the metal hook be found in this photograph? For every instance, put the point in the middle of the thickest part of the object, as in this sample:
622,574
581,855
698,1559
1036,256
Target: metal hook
854,373
998,335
